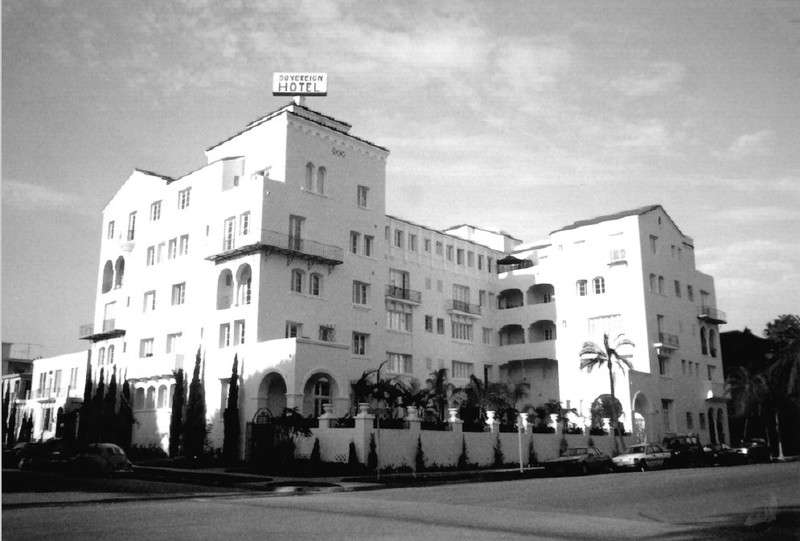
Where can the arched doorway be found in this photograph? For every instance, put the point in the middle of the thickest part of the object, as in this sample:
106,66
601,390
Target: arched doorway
602,409
641,410
319,389
272,393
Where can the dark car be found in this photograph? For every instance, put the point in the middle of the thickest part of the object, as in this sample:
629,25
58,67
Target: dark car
580,460
753,450
686,451
51,454
102,459
721,454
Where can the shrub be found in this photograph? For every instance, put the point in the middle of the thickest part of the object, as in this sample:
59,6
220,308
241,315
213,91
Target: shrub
590,442
498,453
372,458
533,460
419,459
562,446
462,458
315,461
352,456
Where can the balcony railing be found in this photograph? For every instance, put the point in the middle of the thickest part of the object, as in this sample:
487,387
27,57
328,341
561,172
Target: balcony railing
110,329
712,315
524,264
272,241
669,341
464,307
403,294
617,256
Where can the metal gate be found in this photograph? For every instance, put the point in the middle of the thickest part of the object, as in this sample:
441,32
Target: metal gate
260,435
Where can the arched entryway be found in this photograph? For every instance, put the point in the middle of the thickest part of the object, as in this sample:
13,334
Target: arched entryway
272,393
641,411
319,389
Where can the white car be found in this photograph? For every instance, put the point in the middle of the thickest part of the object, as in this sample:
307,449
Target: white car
643,456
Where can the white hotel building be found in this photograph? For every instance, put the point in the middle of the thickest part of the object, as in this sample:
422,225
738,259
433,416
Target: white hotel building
280,251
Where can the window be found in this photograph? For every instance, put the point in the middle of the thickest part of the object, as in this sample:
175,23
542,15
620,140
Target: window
315,285
461,294
293,330
683,366
173,342
449,253
360,343
580,287
360,292
653,243
480,262
488,264
155,211
369,242
178,293
309,176
151,256
599,285
660,285
387,233
702,418
146,347
663,366
470,259
398,238
73,378
327,333
462,370
160,252
439,248
666,412
711,372
398,363
398,317
321,174
487,336
172,251
296,232
355,240
183,198
412,242
297,281
225,335
101,357
427,245
617,254
229,232
131,226
439,325
689,421
184,245
239,331
244,223
690,292
149,301
460,256
428,323
110,234
363,192
461,328
677,288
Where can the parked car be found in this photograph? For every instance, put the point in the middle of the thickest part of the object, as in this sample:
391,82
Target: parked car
721,454
643,456
580,460
52,454
753,450
102,459
686,450
11,456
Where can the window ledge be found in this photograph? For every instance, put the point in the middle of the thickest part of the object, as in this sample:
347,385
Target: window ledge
361,307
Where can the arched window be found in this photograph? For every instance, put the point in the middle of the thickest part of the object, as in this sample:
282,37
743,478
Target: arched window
712,342
703,341
661,285
243,284
321,174
138,399
101,356
309,176
150,401
162,396
108,276
297,280
119,272
322,395
315,285
653,283
580,288
110,359
224,290
599,285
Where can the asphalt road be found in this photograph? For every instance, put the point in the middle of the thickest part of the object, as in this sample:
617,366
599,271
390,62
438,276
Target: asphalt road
748,502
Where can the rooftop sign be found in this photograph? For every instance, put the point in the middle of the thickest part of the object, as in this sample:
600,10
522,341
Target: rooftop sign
300,84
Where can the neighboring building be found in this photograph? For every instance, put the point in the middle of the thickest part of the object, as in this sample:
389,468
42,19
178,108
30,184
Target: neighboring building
279,251
58,384
18,358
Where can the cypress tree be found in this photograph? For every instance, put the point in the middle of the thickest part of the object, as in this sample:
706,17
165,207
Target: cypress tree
85,419
123,421
230,445
176,416
12,426
109,409
96,413
6,400
195,436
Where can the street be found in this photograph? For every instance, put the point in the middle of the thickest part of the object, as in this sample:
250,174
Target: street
747,502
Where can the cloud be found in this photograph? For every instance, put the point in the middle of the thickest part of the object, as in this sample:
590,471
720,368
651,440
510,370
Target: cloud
748,145
756,214
531,65
657,78
26,196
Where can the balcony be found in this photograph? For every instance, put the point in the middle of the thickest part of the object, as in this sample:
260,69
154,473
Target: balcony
292,247
617,257
110,330
711,315
156,366
713,390
666,344
523,264
403,294
545,349
464,308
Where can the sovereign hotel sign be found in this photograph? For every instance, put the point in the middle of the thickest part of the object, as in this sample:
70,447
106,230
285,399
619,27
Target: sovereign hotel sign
300,84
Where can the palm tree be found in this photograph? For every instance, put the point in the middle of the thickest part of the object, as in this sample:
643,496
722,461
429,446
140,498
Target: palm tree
443,393
748,391
592,355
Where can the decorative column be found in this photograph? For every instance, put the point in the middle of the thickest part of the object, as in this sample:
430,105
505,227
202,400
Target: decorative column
326,417
363,428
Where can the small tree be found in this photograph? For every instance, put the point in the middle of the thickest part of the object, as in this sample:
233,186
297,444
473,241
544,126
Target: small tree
96,413
352,456
194,439
123,421
315,461
230,444
372,458
463,458
12,426
498,453
85,419
419,458
109,409
532,458
6,401
176,416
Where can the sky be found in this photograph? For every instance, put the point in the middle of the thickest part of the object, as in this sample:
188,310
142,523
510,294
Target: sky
521,116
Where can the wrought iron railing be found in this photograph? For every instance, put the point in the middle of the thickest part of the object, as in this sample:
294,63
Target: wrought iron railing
402,293
300,245
467,308
706,312
669,340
